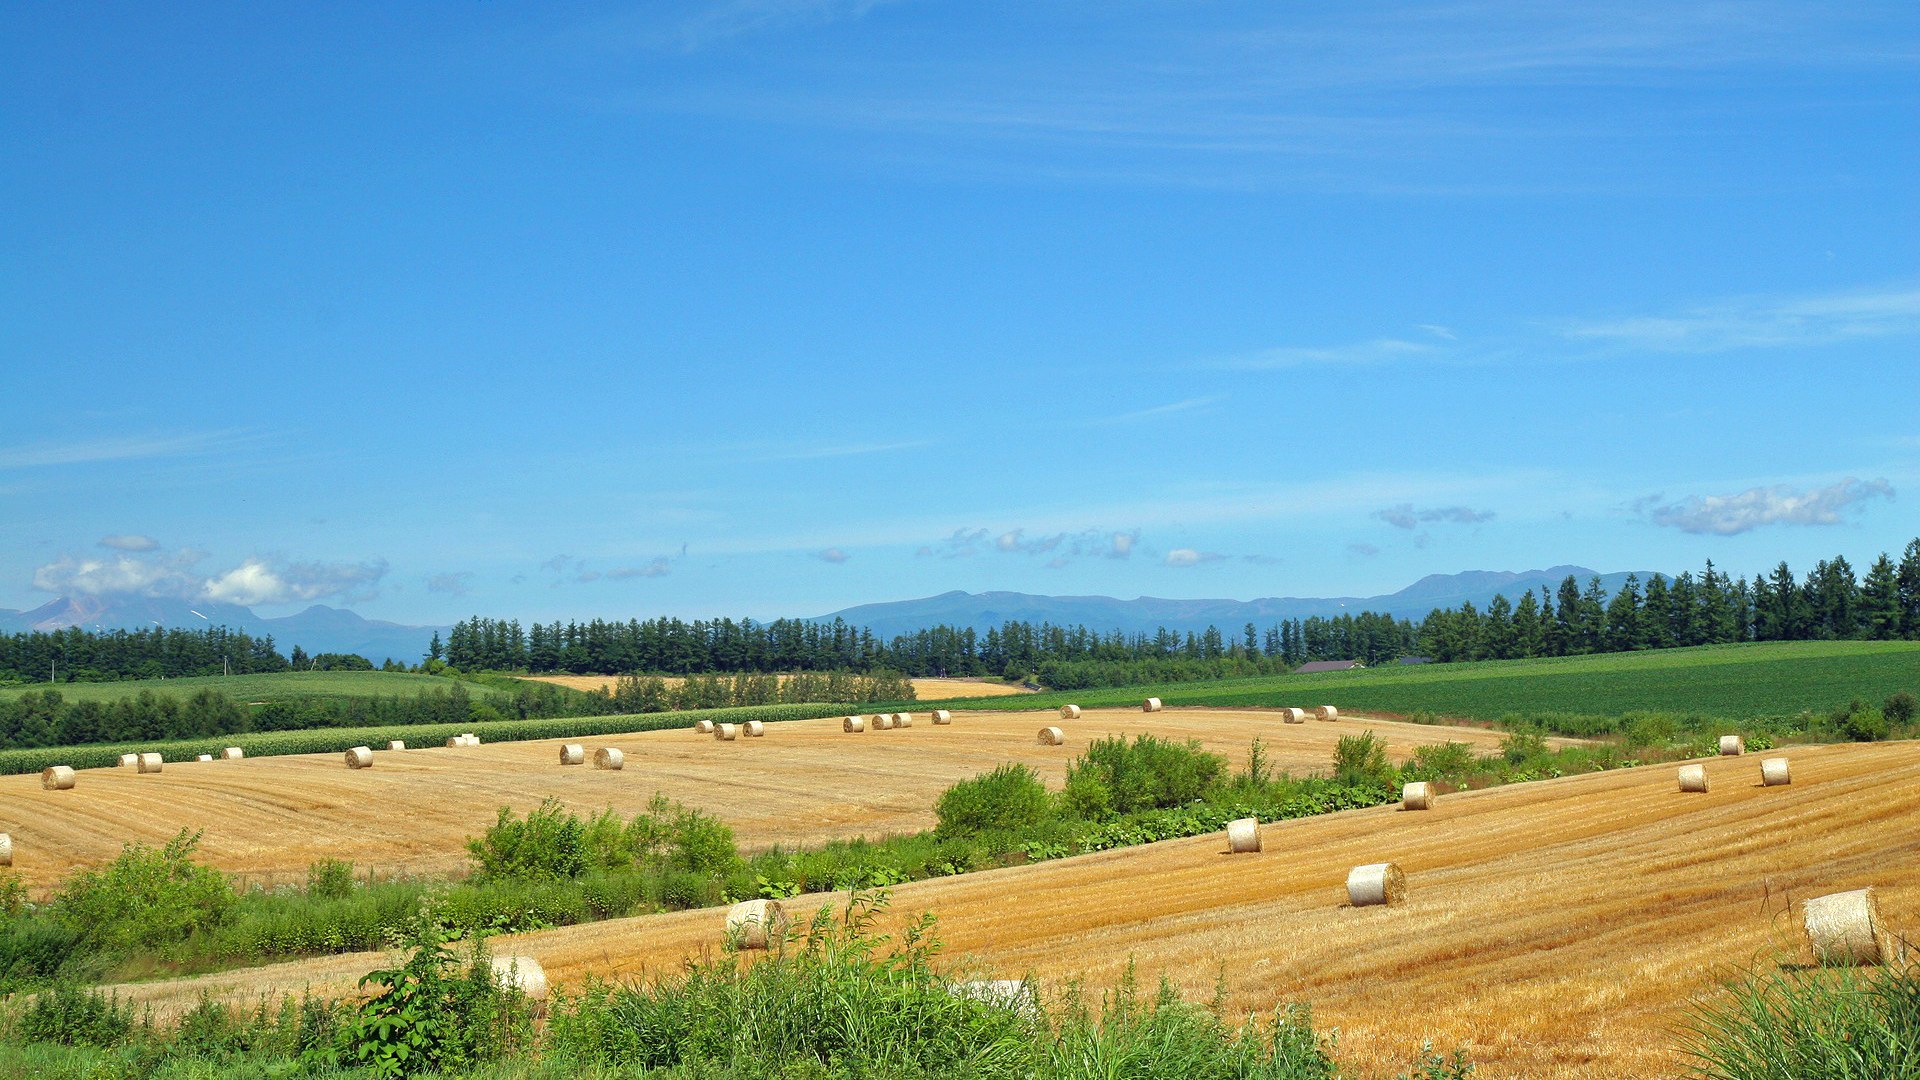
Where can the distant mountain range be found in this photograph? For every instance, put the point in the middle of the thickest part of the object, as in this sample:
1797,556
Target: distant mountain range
321,628
318,629
983,611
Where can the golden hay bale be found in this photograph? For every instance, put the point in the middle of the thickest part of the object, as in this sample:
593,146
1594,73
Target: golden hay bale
232,753
522,973
573,754
456,740
57,778
942,716
1052,736
753,729
6,849
704,727
902,719
1845,928
609,758
1417,796
883,721
1069,712
203,757
1243,834
1293,716
149,763
1693,778
1152,704
396,744
854,723
1376,883
360,757
1774,772
129,759
1732,746
726,732
1326,712
756,924
470,739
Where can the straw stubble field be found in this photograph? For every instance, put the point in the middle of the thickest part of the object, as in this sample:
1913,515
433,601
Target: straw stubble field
928,689
1553,929
805,782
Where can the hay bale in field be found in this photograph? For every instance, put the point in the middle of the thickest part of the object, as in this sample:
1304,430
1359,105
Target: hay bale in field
1293,716
1012,994
232,753
609,758
203,757
396,744
130,759
360,757
522,973
1326,712
1693,778
148,763
1416,796
1152,704
1243,835
726,732
1069,712
1376,883
853,723
1845,929
756,924
6,849
456,740
1732,745
470,739
942,716
902,719
754,729
704,727
1774,772
573,754
883,721
57,778
1052,736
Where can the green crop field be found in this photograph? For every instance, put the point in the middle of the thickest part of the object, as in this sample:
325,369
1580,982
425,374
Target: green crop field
1722,682
284,686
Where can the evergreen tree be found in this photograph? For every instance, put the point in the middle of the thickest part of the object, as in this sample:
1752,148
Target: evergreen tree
1909,588
1880,601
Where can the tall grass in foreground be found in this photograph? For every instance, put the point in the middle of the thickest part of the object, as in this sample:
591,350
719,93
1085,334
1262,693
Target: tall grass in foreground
1797,1024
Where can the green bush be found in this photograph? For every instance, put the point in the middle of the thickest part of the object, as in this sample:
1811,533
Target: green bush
1860,722
146,898
432,1013
1361,761
1117,777
72,1016
1010,799
1900,707
330,879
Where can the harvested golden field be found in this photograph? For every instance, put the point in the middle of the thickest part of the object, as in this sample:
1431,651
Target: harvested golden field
924,689
803,783
1553,929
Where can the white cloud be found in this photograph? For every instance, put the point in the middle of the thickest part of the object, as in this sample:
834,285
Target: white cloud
1404,516
259,581
1362,549
1763,323
1015,540
1728,515
130,542
119,448
832,555
1190,557
1120,545
256,580
170,576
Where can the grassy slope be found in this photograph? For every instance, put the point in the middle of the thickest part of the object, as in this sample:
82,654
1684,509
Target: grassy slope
251,688
1733,682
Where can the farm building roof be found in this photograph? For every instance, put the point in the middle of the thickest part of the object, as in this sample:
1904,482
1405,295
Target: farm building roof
1327,665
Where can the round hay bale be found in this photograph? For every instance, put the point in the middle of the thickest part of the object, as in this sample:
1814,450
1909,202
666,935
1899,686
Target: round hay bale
853,723
396,744
57,778
1774,772
609,758
942,716
1011,994
149,763
522,973
726,732
1417,796
573,754
1732,745
902,719
6,849
1845,929
456,740
1293,716
1052,736
232,753
470,739
130,759
360,757
756,924
754,729
204,757
1376,883
1243,835
1326,712
1693,778
883,721
1152,704
704,727
1069,712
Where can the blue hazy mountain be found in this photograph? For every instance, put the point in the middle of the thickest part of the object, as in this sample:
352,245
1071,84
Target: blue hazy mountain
318,629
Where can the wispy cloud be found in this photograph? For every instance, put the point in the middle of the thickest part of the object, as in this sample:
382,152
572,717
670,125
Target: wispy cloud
1362,549
119,448
259,579
1780,504
716,22
1404,516
833,555
1762,323
1190,557
129,542
810,453
659,566
1155,412
452,583
1372,353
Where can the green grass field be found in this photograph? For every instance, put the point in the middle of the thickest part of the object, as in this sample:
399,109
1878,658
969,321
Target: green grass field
284,686
1724,682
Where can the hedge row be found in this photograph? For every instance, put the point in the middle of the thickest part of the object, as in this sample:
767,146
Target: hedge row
339,740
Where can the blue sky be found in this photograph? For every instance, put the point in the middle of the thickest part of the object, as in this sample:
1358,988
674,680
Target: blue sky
769,307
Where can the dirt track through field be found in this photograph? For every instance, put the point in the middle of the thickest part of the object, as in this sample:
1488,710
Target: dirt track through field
1554,929
805,782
